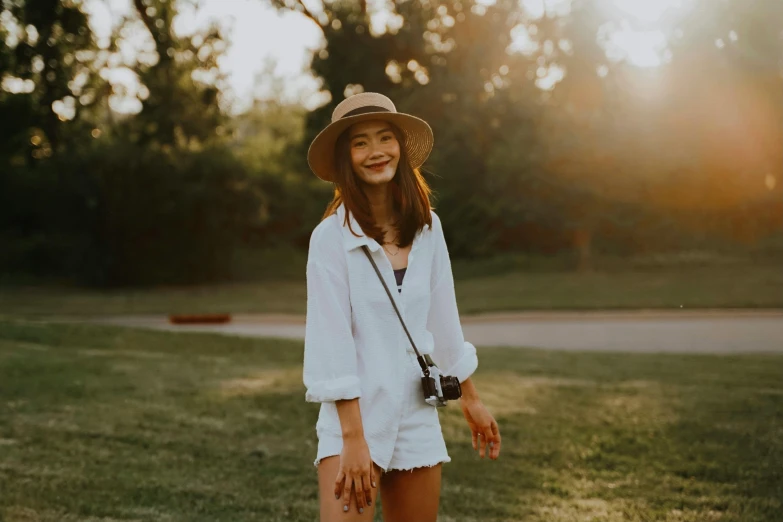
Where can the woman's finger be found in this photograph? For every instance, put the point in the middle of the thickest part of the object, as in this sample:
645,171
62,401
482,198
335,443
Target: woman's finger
338,484
372,476
475,440
366,483
482,444
495,444
489,439
347,492
361,502
495,450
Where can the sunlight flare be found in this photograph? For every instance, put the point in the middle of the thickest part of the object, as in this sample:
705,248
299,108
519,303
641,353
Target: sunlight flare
646,10
639,38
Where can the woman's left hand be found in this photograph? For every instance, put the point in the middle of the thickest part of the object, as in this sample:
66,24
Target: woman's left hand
483,426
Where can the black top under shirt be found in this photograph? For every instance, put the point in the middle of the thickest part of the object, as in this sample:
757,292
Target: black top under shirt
398,275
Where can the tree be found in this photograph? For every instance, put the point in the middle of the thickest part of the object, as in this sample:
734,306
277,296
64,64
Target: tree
183,80
156,197
263,139
48,76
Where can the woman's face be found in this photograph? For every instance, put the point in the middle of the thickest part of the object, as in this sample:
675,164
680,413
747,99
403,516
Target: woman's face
375,151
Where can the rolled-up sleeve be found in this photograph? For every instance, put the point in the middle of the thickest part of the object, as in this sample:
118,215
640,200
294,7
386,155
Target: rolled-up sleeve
330,368
452,353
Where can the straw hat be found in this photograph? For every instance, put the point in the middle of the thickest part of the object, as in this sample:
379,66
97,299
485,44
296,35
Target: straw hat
362,107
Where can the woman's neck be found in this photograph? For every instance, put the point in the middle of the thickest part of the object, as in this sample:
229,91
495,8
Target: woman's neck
381,204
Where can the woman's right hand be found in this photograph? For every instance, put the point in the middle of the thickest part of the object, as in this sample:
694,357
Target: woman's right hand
357,472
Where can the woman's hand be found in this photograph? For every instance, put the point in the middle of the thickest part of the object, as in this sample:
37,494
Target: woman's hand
483,425
356,471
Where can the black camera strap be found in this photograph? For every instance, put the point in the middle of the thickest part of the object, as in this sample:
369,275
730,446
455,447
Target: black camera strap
423,360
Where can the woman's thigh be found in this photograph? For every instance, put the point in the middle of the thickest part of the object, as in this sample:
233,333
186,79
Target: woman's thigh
411,495
331,508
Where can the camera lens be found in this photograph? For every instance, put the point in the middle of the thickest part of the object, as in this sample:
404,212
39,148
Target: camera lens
451,388
428,387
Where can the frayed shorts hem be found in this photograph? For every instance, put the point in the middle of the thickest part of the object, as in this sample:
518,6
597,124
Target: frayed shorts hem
406,466
399,466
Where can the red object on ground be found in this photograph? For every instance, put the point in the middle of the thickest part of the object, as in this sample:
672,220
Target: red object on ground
199,318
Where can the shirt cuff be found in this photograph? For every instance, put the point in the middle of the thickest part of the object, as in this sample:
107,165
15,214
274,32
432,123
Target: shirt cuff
466,365
342,388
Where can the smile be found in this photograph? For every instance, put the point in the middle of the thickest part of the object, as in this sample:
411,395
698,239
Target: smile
378,166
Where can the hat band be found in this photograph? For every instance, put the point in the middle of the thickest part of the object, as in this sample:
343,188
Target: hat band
364,110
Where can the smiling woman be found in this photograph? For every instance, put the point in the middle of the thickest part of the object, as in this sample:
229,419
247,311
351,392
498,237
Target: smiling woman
378,427
375,151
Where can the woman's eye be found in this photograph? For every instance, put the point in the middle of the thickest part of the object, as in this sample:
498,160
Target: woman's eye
358,144
385,138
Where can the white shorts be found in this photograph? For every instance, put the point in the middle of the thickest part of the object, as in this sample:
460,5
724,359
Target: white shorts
419,441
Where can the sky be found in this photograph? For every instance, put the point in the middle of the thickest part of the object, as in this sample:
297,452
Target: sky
258,33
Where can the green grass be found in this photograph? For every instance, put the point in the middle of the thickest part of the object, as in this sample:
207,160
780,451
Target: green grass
692,287
711,286
101,423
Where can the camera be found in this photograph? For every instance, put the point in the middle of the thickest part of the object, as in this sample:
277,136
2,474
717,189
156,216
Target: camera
439,388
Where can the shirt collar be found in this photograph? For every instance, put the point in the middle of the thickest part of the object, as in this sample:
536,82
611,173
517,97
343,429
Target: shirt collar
350,241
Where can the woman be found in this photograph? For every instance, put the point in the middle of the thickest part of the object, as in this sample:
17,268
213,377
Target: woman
374,426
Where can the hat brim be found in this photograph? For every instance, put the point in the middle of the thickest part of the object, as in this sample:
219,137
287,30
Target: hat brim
417,134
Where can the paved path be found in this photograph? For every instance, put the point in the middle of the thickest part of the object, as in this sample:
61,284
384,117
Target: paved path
725,331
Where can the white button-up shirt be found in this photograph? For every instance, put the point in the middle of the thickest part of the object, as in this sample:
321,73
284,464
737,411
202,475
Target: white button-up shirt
355,345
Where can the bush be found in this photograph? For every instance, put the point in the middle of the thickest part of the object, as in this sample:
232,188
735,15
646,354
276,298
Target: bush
120,214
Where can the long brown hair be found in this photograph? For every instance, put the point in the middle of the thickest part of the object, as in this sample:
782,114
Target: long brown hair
410,192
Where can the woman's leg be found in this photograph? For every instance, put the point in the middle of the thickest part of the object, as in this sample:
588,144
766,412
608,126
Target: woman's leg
411,495
331,508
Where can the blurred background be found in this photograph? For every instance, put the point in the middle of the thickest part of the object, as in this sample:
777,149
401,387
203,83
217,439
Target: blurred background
150,142
609,174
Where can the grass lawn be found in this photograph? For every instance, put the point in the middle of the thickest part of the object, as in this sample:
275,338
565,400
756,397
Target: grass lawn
102,423
718,286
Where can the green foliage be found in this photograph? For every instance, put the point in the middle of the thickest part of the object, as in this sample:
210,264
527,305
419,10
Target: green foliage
159,197
266,139
121,214
183,83
628,162
49,57
170,216
265,134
